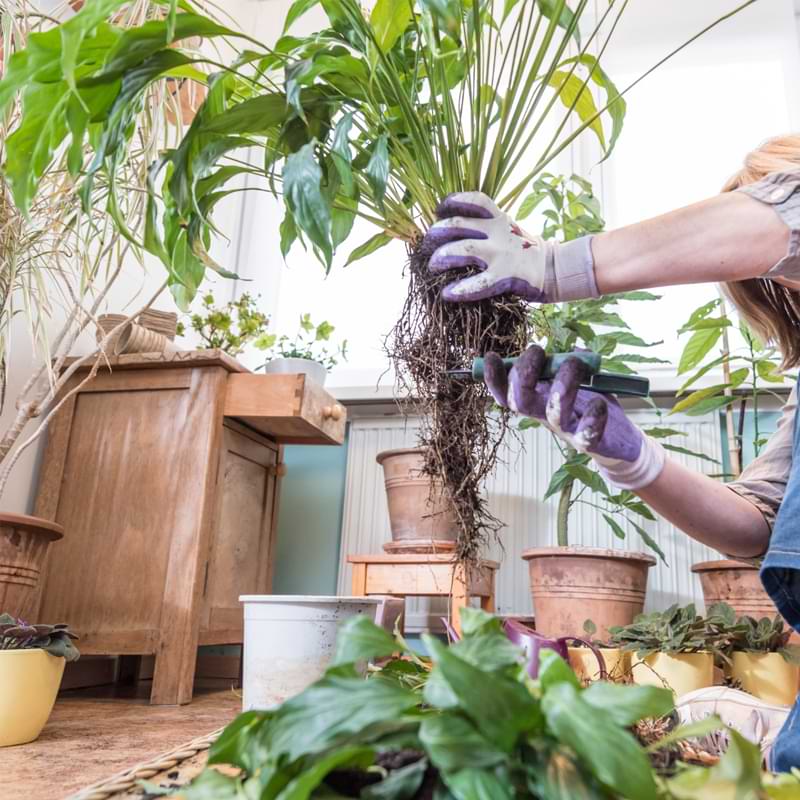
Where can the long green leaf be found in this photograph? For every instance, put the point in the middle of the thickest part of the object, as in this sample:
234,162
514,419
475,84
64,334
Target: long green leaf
698,346
389,19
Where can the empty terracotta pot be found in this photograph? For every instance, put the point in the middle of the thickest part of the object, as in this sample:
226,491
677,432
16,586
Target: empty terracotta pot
737,584
23,546
419,515
572,584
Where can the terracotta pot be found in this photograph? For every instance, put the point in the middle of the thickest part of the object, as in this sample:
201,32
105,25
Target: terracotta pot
681,672
572,584
420,517
134,338
23,546
767,676
736,584
584,663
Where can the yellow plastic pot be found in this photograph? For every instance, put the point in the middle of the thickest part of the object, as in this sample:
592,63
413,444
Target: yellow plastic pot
681,672
767,676
584,663
29,681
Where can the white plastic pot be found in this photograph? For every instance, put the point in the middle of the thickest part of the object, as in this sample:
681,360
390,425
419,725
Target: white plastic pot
294,366
289,641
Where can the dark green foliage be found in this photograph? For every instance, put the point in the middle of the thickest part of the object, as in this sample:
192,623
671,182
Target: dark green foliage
54,639
747,634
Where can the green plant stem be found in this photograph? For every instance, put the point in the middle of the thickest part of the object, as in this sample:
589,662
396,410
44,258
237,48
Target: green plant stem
562,518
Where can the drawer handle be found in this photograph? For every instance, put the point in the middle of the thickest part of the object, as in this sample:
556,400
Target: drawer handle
334,412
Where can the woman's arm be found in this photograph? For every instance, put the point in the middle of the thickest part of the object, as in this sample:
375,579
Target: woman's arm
708,511
730,237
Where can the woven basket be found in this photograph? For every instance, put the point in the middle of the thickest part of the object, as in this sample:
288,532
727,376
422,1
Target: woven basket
136,339
106,323
163,322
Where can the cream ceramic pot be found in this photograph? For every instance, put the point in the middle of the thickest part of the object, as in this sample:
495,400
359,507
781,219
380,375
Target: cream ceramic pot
681,672
585,665
29,681
767,676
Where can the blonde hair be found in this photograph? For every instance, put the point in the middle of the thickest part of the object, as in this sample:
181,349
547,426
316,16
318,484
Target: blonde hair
770,309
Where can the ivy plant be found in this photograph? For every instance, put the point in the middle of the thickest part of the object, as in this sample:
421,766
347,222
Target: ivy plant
230,327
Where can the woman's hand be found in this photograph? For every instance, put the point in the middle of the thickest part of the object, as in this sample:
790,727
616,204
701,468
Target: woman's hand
585,420
472,232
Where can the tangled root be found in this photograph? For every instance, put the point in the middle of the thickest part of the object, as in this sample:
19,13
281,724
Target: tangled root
461,438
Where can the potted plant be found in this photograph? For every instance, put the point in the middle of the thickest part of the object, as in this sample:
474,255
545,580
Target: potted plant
231,327
32,660
378,115
675,648
759,656
307,353
613,582
420,517
747,372
584,662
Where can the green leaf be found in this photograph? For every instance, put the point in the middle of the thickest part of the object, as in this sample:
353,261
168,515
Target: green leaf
610,752
561,11
301,787
288,231
574,93
768,371
663,433
296,10
370,246
649,540
639,296
616,110
687,452
625,705
389,19
617,529
360,639
697,348
256,115
302,180
501,708
709,405
340,153
554,670
334,708
588,477
213,785
695,397
478,784
453,743
231,746
377,169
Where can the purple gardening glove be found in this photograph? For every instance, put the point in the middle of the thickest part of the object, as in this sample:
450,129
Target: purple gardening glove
473,232
585,420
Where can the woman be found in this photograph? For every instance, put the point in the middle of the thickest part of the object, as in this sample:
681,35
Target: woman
747,238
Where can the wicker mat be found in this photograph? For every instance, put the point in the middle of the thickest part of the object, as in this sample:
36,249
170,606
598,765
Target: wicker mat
175,768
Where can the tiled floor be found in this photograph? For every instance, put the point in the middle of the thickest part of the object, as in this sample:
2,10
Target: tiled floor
94,733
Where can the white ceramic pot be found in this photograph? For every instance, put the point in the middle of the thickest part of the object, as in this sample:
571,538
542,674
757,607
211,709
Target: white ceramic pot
289,641
294,366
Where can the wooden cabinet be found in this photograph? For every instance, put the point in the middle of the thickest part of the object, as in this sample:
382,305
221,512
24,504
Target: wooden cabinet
168,491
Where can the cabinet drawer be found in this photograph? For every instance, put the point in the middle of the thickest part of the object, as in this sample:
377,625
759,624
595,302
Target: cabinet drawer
292,409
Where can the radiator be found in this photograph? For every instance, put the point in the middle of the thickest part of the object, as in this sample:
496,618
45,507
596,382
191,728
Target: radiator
514,491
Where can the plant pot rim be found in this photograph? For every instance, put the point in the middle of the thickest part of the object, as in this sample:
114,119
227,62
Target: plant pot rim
24,653
587,552
34,524
721,564
295,358
398,451
306,599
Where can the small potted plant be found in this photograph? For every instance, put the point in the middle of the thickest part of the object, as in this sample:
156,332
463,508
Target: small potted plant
307,353
674,648
584,662
758,655
32,660
230,327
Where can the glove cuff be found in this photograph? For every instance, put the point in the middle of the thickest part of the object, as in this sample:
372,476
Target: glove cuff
569,271
633,475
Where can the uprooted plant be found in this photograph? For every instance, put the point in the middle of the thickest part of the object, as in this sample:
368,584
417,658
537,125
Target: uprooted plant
378,116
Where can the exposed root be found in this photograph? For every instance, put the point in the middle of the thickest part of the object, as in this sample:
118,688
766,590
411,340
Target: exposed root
461,437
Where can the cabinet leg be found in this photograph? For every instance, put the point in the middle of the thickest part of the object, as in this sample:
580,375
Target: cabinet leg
359,580
173,679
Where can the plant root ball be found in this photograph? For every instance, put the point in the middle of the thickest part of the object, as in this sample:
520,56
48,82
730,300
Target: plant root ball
460,430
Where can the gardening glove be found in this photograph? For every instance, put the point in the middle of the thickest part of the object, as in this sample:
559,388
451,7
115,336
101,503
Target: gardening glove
585,420
473,232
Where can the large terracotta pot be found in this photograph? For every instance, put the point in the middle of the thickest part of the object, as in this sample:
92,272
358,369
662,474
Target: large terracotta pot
419,515
23,546
572,584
